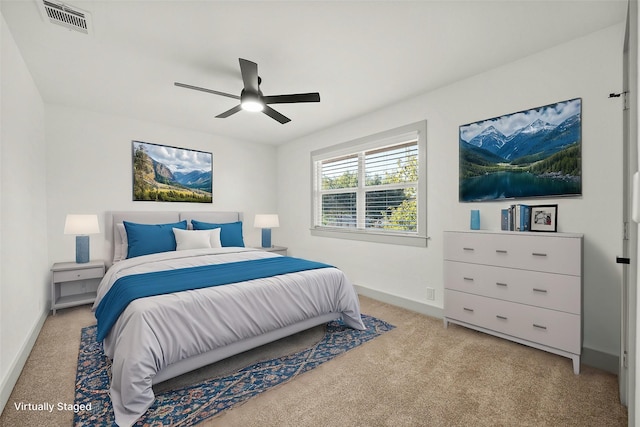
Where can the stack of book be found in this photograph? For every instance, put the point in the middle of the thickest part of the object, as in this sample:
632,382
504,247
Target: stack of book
516,218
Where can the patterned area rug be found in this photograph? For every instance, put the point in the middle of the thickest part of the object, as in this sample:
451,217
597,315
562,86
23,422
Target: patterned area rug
190,405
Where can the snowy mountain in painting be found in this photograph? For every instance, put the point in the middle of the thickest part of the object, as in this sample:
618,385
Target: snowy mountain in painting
490,139
537,138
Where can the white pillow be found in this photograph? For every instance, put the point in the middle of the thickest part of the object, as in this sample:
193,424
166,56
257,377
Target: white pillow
192,239
215,237
120,250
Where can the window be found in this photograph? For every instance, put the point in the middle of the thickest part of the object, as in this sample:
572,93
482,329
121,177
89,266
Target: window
373,188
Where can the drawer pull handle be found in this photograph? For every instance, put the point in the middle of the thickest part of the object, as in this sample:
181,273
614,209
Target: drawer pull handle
501,317
468,279
468,249
544,291
501,284
501,251
470,310
540,327
538,254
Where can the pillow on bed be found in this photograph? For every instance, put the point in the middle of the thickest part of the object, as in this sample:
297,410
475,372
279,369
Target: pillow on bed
120,250
145,239
215,237
230,233
196,239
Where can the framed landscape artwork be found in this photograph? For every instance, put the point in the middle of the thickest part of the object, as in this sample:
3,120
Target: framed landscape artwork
528,154
169,174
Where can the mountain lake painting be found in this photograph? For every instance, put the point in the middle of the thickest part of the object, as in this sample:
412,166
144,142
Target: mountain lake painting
532,153
170,174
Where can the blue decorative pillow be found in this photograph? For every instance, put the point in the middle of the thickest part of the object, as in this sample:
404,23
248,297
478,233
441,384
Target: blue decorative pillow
230,232
145,239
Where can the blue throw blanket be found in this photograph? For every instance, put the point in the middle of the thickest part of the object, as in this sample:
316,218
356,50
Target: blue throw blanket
129,288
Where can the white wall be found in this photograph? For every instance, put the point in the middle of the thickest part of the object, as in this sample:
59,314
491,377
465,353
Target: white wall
24,267
589,68
89,170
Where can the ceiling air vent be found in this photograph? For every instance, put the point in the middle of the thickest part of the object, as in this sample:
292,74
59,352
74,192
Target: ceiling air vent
65,15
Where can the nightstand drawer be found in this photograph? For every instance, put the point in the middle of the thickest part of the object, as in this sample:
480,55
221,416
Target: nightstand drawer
72,275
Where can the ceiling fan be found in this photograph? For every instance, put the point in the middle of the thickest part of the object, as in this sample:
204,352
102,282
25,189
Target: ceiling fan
251,97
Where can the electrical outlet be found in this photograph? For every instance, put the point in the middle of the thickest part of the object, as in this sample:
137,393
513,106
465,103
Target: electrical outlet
431,294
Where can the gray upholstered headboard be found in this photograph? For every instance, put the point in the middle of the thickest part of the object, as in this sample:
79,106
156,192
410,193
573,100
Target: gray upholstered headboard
155,217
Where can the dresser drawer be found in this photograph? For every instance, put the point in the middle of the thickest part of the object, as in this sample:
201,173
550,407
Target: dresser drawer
548,290
553,254
547,327
84,274
480,311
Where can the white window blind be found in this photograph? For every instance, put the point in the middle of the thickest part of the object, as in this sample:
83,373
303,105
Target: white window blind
338,192
391,181
372,188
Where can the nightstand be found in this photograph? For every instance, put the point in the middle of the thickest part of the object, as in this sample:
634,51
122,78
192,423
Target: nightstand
280,250
65,273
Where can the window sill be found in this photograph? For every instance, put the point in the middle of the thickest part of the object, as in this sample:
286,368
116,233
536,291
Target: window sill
368,236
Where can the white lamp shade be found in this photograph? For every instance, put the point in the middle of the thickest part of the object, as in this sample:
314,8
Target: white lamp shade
81,224
266,221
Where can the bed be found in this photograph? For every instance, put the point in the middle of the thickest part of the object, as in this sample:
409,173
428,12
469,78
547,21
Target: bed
157,337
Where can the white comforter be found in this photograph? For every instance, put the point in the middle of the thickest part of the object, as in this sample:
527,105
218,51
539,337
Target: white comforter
156,331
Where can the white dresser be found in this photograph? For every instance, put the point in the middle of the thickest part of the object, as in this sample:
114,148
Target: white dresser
525,287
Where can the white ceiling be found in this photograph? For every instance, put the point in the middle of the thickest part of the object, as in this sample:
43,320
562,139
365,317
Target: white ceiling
360,55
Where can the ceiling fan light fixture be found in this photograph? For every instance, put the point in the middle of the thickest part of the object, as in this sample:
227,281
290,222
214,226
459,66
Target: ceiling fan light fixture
251,102
252,105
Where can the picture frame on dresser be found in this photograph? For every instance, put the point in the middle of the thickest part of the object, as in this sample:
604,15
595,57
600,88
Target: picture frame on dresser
544,218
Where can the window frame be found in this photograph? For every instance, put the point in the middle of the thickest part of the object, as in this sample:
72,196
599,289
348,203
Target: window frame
372,142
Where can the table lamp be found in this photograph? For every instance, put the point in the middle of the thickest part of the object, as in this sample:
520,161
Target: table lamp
266,222
81,226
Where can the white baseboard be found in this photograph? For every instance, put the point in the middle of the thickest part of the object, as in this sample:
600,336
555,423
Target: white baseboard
601,360
594,358
8,382
412,305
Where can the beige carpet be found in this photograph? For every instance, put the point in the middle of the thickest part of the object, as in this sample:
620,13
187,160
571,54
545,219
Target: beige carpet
419,374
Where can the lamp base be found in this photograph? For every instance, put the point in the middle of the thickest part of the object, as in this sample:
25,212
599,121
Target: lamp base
266,237
82,249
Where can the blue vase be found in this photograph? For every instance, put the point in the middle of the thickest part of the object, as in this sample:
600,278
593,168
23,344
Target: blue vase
475,219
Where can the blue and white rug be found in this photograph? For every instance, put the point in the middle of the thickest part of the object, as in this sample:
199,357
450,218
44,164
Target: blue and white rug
190,405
